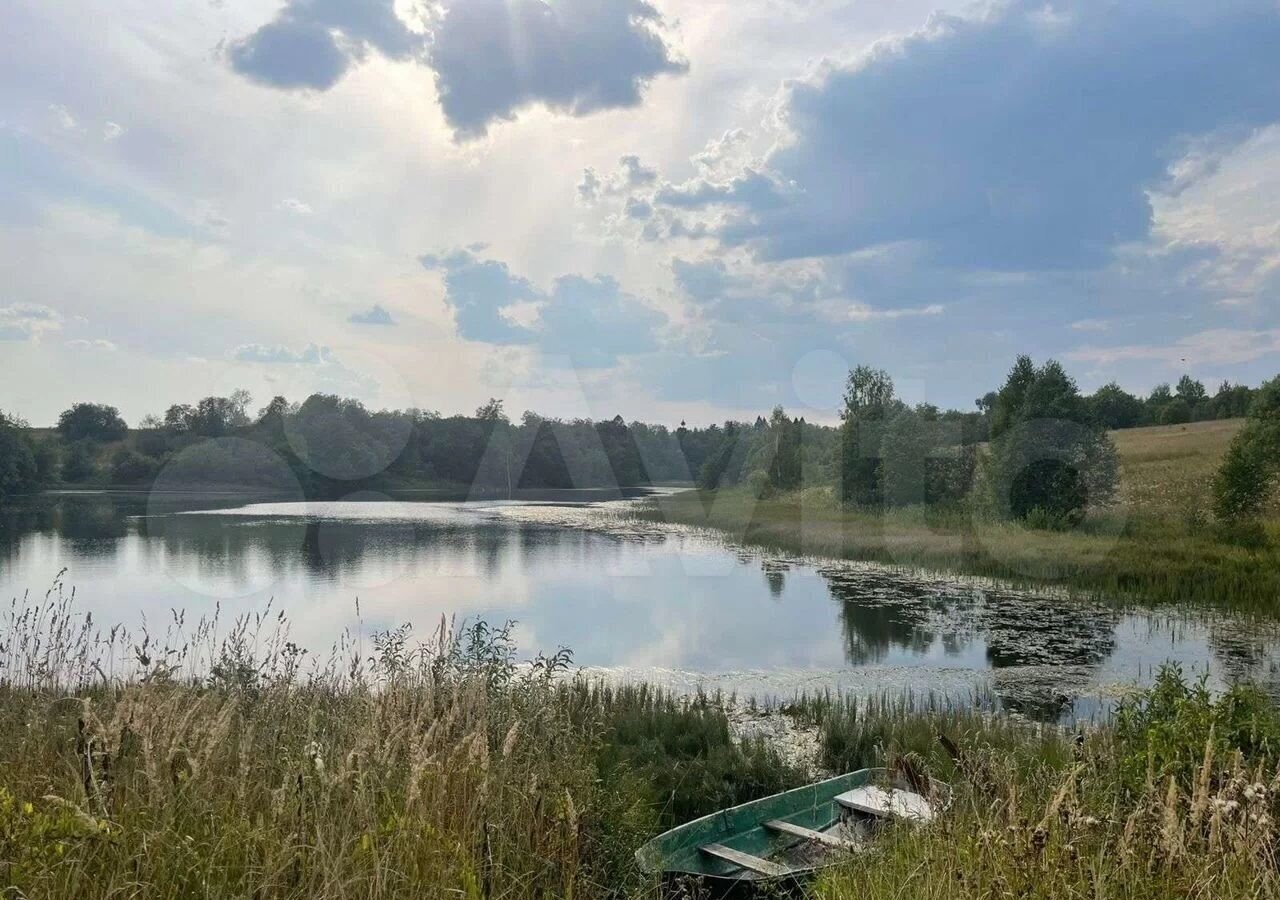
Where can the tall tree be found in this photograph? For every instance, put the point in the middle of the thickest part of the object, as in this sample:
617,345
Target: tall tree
92,422
1191,391
869,401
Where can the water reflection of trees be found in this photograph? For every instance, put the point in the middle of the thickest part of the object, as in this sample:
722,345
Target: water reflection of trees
775,577
880,612
1247,654
89,523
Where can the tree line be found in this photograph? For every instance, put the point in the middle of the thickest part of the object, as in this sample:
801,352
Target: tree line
335,445
1048,457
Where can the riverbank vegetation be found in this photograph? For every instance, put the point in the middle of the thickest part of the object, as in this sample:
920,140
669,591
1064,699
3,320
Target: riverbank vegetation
1159,542
1179,513
1031,485
232,765
333,446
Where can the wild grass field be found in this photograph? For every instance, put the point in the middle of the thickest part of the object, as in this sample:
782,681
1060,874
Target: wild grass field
1159,543
196,765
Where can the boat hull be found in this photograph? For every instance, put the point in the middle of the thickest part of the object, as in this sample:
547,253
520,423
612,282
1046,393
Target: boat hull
742,830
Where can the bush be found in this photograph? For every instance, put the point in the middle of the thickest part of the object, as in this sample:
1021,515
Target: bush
1165,732
1175,412
129,467
1049,453
81,463
1048,520
17,463
1253,460
1058,467
48,460
759,485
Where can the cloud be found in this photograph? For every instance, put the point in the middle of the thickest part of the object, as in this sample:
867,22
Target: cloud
768,294
296,206
63,116
492,58
311,43
751,189
592,321
1218,346
111,131
478,290
277,354
631,175
495,57
375,315
94,344
639,209
1022,139
27,321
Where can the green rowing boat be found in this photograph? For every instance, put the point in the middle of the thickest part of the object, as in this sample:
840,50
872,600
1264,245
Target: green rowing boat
794,833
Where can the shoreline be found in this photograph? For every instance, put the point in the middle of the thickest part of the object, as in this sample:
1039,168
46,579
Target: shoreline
1118,558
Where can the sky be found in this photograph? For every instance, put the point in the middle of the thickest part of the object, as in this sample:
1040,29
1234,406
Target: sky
669,210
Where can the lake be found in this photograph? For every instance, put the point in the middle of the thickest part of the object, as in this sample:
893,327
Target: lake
631,599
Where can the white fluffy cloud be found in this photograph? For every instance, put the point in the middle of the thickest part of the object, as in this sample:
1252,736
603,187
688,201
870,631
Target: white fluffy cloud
310,355
27,321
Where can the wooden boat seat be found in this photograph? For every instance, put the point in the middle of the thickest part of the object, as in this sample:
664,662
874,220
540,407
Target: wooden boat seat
827,840
745,860
893,803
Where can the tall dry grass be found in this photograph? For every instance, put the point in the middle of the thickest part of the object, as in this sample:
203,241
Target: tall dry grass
225,763
1178,798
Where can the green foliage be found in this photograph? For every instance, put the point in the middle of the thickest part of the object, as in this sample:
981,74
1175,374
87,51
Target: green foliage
48,460
776,455
922,461
1167,731
92,422
18,468
1049,454
869,402
1178,801
681,756
1249,470
80,463
1114,407
437,769
1176,412
130,467
1191,391
1011,398
724,465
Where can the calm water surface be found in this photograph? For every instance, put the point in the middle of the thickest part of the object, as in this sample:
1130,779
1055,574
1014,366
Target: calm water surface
638,600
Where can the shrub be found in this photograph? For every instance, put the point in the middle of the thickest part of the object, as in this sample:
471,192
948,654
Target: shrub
17,463
130,467
81,463
1253,460
1175,412
1164,733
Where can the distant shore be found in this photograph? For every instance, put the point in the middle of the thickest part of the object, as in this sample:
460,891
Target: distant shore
1156,546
